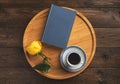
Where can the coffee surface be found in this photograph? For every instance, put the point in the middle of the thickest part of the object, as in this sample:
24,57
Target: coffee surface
74,58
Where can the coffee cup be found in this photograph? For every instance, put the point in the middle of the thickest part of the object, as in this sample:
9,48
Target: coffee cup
73,58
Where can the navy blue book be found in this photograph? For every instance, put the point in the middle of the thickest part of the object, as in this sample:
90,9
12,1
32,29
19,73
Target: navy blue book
58,26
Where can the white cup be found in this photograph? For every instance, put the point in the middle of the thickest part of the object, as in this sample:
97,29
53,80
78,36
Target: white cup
73,58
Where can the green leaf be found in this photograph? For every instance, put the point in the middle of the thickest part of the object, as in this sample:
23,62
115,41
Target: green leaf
43,67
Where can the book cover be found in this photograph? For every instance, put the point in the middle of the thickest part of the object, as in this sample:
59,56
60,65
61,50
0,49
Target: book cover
58,26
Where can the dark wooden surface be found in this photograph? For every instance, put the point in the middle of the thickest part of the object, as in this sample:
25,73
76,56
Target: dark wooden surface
105,18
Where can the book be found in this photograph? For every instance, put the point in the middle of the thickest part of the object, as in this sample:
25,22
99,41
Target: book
58,26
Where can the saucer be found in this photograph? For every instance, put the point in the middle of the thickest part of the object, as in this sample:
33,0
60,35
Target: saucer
64,58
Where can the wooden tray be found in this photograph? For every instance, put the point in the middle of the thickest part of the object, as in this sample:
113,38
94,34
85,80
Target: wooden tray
82,35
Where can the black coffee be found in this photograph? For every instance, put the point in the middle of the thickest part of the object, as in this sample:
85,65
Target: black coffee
74,58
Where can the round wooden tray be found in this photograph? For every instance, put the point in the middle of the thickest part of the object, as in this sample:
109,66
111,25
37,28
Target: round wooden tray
82,35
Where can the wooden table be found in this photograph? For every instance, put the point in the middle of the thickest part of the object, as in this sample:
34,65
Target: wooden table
105,18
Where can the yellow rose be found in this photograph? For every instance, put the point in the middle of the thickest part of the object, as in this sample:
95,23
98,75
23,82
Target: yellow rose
34,47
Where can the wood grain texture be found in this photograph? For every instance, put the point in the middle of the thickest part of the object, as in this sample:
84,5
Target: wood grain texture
12,57
28,76
90,3
106,37
99,17
68,3
105,57
105,18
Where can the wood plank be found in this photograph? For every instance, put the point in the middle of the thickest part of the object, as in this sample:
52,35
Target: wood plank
90,3
108,18
104,58
27,4
11,37
69,3
90,76
12,57
106,37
